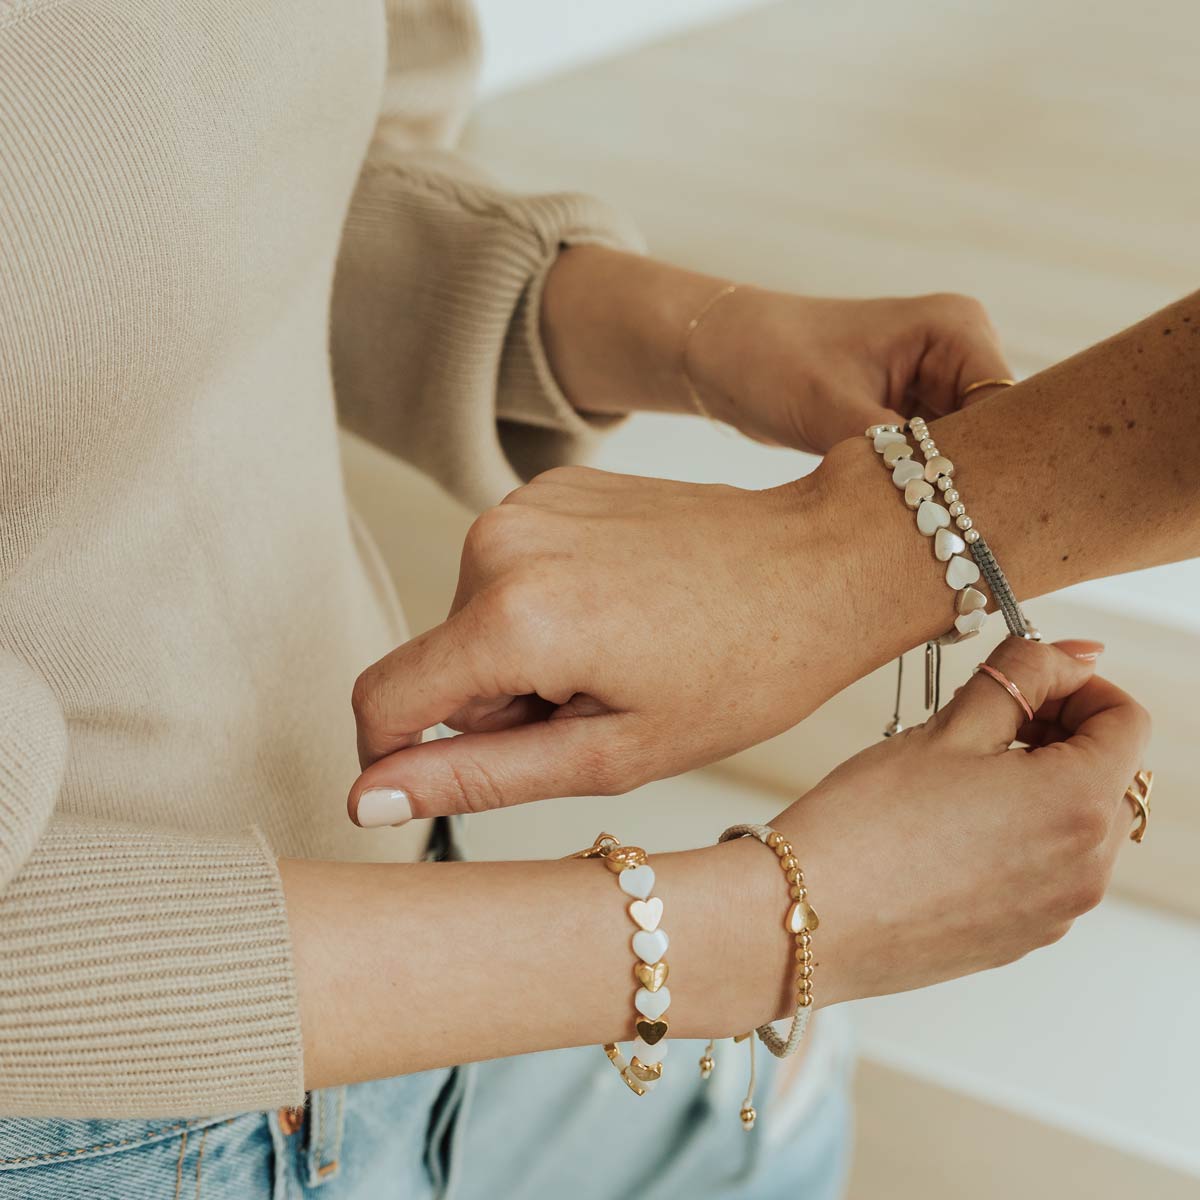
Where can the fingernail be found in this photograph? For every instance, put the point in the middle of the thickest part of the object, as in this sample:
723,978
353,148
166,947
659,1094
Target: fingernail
1082,649
383,806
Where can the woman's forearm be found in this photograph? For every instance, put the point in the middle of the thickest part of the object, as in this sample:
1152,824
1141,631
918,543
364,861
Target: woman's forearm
402,968
1085,470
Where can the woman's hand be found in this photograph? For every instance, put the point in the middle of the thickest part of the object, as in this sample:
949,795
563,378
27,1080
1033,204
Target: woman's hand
791,370
607,630
941,851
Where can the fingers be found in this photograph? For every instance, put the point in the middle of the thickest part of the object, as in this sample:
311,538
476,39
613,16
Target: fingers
572,756
1108,727
428,679
984,716
964,349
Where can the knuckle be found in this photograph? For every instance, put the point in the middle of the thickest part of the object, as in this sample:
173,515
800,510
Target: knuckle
1087,826
364,696
1053,932
1085,890
487,533
960,306
569,476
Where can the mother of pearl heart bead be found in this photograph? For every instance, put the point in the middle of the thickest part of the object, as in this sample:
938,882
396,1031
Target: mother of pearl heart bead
947,544
970,622
905,471
969,599
961,571
650,945
647,913
647,1053
652,1004
931,516
916,490
885,437
637,882
896,450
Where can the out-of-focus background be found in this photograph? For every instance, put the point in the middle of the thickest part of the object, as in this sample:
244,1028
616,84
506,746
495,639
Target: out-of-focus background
1044,157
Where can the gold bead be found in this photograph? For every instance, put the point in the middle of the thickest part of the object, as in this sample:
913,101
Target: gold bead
796,892
783,849
706,1066
749,1116
806,1002
789,864
805,939
774,839
805,972
795,875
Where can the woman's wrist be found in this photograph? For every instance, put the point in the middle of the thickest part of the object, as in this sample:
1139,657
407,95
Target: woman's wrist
613,324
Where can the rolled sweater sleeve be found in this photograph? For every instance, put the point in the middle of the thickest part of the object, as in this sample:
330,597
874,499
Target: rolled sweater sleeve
436,350
142,971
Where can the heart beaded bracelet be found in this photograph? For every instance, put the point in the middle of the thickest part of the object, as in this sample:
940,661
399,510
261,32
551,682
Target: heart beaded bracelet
635,877
935,521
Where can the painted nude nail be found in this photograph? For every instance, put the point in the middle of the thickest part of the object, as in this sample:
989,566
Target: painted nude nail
383,806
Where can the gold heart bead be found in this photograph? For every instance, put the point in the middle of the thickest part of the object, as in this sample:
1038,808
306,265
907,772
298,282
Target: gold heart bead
646,1072
652,1032
651,977
802,918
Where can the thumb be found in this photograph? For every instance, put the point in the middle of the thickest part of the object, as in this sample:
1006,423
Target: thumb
474,772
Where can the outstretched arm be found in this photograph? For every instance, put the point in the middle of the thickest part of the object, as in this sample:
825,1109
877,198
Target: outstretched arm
406,967
676,624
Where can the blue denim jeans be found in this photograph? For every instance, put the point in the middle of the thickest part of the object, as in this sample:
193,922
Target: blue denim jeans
542,1127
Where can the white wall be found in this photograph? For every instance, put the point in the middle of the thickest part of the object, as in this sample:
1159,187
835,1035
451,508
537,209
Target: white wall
527,40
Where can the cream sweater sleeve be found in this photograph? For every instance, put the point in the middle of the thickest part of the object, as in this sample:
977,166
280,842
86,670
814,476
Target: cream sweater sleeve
142,972
435,344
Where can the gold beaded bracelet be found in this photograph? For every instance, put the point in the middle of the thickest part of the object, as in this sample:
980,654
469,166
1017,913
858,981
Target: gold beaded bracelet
800,922
635,877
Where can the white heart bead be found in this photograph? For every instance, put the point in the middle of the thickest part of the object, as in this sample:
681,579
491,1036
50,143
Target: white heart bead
885,438
894,451
969,599
647,913
916,490
872,430
970,622
650,946
931,516
961,571
946,545
637,882
905,471
652,1005
649,1054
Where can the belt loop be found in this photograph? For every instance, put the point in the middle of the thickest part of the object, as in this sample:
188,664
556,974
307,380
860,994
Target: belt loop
323,1155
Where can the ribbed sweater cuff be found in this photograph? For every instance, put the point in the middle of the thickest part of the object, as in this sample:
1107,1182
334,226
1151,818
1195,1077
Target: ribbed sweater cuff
146,973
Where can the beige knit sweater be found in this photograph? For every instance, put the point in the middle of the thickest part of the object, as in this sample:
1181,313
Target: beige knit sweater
185,599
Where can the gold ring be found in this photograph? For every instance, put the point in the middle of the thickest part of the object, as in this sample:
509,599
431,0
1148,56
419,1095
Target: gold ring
982,383
1138,794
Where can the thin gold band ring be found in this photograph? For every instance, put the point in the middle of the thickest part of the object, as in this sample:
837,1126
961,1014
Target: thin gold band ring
982,383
